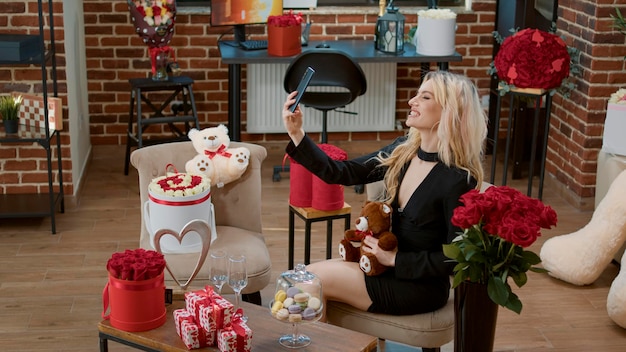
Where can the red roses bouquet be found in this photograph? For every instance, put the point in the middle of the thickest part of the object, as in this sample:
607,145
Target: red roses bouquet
532,58
287,20
154,23
497,225
136,265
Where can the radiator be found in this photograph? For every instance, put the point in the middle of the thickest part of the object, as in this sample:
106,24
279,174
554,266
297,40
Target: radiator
375,110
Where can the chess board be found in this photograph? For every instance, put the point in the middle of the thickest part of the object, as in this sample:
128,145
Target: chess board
32,112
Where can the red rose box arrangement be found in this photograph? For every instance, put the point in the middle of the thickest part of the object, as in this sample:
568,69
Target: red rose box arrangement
284,34
135,292
308,190
210,320
174,200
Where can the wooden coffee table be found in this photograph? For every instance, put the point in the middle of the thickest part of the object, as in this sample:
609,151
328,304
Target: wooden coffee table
266,331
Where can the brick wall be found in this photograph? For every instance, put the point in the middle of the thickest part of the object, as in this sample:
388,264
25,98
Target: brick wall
577,123
115,54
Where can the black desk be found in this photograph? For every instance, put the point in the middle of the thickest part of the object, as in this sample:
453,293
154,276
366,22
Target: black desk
361,50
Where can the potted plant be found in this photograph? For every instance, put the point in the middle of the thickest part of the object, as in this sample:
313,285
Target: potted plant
9,110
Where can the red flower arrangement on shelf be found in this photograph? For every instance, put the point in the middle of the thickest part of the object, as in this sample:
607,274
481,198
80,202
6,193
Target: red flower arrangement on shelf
532,58
497,225
154,23
136,265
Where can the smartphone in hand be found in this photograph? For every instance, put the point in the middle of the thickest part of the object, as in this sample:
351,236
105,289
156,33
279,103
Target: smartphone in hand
304,82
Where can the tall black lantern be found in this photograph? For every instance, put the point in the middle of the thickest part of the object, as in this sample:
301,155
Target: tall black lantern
390,31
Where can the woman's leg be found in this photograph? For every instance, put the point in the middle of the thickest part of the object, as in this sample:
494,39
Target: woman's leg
343,282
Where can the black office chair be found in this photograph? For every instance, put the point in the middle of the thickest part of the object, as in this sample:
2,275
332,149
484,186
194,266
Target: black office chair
333,68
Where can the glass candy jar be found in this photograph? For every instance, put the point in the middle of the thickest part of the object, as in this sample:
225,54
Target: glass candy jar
297,299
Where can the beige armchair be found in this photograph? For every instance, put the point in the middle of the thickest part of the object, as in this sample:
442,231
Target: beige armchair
429,331
237,215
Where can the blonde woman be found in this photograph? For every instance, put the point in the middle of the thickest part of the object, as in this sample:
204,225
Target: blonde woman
424,174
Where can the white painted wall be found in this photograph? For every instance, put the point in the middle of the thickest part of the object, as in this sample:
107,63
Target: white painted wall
76,72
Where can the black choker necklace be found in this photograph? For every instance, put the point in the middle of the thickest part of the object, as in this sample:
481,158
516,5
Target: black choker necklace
422,155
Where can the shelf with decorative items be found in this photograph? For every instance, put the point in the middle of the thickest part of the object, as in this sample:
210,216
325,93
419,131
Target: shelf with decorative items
39,118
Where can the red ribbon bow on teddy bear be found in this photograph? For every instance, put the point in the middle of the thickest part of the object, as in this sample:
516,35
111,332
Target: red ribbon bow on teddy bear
221,151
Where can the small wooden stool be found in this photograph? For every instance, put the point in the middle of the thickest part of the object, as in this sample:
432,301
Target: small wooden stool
311,215
172,87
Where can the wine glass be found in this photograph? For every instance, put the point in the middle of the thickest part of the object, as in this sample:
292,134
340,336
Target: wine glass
218,269
237,278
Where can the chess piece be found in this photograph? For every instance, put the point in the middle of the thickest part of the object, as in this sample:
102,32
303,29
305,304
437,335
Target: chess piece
580,257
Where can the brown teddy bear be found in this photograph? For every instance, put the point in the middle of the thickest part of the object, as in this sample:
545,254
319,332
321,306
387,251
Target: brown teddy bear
375,220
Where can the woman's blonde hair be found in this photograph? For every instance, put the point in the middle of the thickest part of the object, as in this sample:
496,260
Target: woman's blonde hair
462,130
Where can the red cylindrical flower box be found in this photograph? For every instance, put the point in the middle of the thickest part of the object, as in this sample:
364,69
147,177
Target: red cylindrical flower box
284,41
326,196
300,185
136,305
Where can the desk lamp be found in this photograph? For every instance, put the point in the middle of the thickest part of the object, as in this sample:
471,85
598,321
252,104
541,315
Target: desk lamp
389,30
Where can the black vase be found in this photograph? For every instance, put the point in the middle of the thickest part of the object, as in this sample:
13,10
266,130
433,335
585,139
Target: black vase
475,317
10,126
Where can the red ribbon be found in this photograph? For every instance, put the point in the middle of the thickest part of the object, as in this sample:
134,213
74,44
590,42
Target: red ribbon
221,151
172,166
209,290
154,51
218,315
205,298
202,336
179,204
363,234
238,329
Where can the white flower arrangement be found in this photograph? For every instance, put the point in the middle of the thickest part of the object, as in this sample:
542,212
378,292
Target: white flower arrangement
437,14
618,97
180,185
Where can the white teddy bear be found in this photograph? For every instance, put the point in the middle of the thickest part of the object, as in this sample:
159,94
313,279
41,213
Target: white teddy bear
215,160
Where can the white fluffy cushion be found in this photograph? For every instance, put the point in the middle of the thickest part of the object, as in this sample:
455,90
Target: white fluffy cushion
580,257
616,301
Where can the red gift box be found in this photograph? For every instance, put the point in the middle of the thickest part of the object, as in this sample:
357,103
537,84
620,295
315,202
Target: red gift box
235,337
193,335
181,315
195,300
207,323
222,312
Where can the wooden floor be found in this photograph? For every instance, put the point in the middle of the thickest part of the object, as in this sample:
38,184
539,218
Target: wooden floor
51,285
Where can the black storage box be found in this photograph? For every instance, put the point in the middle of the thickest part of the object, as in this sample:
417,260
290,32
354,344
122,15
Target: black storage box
18,47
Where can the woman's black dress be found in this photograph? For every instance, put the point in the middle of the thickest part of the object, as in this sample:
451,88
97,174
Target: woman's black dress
420,280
